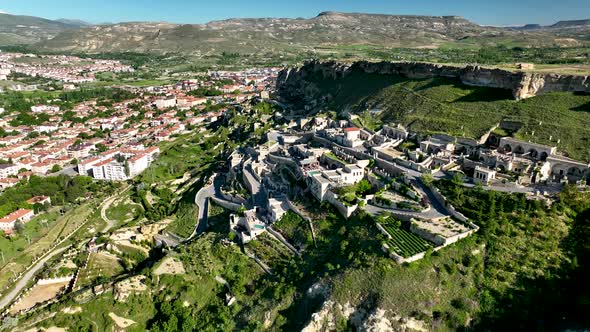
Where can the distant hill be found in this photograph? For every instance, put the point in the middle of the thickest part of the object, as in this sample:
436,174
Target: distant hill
18,29
557,26
571,24
328,30
77,23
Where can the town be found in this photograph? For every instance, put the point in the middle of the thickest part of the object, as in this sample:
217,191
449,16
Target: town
268,168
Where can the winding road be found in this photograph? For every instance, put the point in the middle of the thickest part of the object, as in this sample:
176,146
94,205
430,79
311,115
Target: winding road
106,205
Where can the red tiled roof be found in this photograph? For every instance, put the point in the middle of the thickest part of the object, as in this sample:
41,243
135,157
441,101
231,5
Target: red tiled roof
14,216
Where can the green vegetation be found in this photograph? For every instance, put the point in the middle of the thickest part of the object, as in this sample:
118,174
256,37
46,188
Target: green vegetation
123,211
186,220
295,230
533,262
100,266
33,230
403,242
335,157
21,102
56,231
183,154
61,189
441,105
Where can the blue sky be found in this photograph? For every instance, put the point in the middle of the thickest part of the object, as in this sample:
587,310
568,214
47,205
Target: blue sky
488,12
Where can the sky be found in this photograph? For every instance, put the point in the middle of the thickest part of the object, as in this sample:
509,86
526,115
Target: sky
484,12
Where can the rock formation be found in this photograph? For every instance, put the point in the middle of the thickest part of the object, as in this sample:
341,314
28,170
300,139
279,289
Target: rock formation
296,84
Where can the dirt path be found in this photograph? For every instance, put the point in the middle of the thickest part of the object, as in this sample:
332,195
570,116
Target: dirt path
106,205
121,322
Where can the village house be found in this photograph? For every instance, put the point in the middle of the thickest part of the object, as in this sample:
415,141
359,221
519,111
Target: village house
322,181
247,226
8,182
8,170
39,200
483,175
8,223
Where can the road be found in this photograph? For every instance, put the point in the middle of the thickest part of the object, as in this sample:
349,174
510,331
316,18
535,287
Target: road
22,283
202,201
436,209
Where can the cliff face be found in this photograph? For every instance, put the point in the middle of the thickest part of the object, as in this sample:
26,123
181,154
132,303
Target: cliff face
295,85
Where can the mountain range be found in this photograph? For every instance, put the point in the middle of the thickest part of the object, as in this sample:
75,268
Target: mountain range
19,29
276,35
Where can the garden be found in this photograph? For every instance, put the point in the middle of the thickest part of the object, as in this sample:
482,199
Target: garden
402,242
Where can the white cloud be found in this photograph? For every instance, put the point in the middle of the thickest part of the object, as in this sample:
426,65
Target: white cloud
3,11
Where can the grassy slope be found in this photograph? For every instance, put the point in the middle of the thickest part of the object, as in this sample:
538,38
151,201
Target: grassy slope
519,246
447,106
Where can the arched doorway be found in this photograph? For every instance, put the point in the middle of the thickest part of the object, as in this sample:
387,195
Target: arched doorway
544,156
574,171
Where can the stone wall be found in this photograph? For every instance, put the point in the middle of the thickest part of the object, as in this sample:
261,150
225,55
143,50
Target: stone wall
294,84
345,210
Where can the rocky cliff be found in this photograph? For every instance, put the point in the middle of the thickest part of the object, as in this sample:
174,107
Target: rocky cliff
296,85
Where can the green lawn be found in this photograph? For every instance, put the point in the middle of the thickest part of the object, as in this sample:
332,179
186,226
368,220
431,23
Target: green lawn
56,231
33,231
122,212
403,242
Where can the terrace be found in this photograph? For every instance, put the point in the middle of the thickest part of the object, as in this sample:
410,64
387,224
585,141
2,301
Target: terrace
402,242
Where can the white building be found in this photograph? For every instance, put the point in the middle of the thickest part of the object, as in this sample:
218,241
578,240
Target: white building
138,164
352,137
248,226
85,167
321,182
164,103
7,170
483,175
277,209
8,222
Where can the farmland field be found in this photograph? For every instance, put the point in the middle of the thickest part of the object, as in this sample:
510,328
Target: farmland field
404,243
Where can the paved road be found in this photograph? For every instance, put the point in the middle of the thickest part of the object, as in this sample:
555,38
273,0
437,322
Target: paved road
22,283
201,199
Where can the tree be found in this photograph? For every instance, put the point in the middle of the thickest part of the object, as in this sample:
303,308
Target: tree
101,147
19,227
427,179
56,168
363,187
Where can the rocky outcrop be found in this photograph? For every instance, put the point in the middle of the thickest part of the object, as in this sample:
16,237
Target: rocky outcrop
296,85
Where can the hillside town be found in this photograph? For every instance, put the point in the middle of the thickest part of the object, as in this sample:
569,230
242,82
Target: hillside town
115,141
61,68
387,173
276,167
